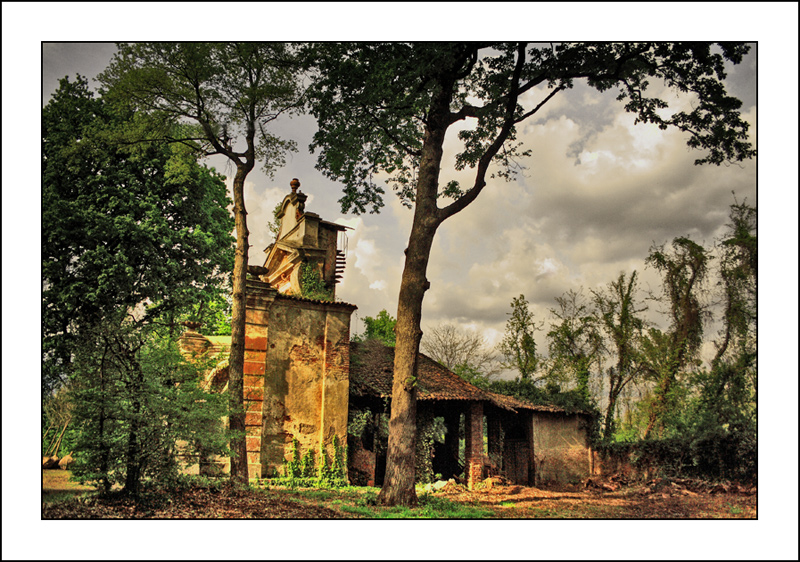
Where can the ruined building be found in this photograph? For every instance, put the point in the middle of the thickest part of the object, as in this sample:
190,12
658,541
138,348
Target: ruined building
303,378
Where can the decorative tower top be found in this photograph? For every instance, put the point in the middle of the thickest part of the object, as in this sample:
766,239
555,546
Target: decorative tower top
295,183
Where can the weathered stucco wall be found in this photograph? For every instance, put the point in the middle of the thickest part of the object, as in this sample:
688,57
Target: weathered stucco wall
561,449
298,386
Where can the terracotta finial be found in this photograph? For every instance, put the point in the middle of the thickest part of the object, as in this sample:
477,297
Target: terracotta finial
295,183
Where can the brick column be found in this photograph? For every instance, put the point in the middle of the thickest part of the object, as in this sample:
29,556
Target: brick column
259,299
473,453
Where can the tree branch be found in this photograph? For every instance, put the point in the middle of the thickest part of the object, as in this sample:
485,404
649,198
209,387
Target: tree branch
483,164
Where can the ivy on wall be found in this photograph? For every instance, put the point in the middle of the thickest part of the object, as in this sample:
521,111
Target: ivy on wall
312,286
310,470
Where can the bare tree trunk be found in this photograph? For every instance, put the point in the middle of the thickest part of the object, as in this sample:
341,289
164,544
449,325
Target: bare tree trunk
398,485
238,444
56,444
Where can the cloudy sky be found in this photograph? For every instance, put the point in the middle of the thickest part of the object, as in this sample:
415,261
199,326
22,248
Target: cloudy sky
597,193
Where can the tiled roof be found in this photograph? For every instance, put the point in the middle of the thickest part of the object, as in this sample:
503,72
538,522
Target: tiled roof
372,366
316,301
512,402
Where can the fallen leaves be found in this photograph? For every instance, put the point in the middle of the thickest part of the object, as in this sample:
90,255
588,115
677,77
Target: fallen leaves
191,503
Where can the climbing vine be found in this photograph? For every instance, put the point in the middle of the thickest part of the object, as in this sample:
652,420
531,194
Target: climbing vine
424,453
320,472
312,285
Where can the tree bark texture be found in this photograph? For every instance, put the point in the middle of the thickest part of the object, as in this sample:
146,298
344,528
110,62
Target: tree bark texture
239,472
398,485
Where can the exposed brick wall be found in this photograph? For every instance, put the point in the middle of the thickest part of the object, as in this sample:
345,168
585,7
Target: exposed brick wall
473,452
258,303
303,389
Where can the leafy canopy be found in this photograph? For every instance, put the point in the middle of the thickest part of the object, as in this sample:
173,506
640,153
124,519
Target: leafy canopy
223,96
371,101
380,328
121,229
518,345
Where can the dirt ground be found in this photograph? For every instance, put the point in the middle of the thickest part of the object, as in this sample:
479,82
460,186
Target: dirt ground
657,499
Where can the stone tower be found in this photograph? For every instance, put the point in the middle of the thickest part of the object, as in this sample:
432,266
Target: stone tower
304,239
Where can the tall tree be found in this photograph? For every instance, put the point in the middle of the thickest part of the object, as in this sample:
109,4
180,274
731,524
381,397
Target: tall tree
518,345
130,241
575,343
683,270
223,96
728,390
120,229
139,404
618,313
738,279
386,108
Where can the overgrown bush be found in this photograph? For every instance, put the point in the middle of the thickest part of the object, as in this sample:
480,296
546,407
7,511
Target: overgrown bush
711,455
135,399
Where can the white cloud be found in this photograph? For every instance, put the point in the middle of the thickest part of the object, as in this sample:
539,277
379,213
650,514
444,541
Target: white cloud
378,285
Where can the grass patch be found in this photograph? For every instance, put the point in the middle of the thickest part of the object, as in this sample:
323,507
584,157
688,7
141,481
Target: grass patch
362,502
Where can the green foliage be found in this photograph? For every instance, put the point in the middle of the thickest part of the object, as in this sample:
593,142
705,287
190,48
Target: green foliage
575,343
339,463
684,270
302,471
307,464
619,317
58,431
220,93
380,328
551,394
120,228
214,314
473,376
518,345
135,399
274,226
358,421
312,285
424,453
706,454
367,131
